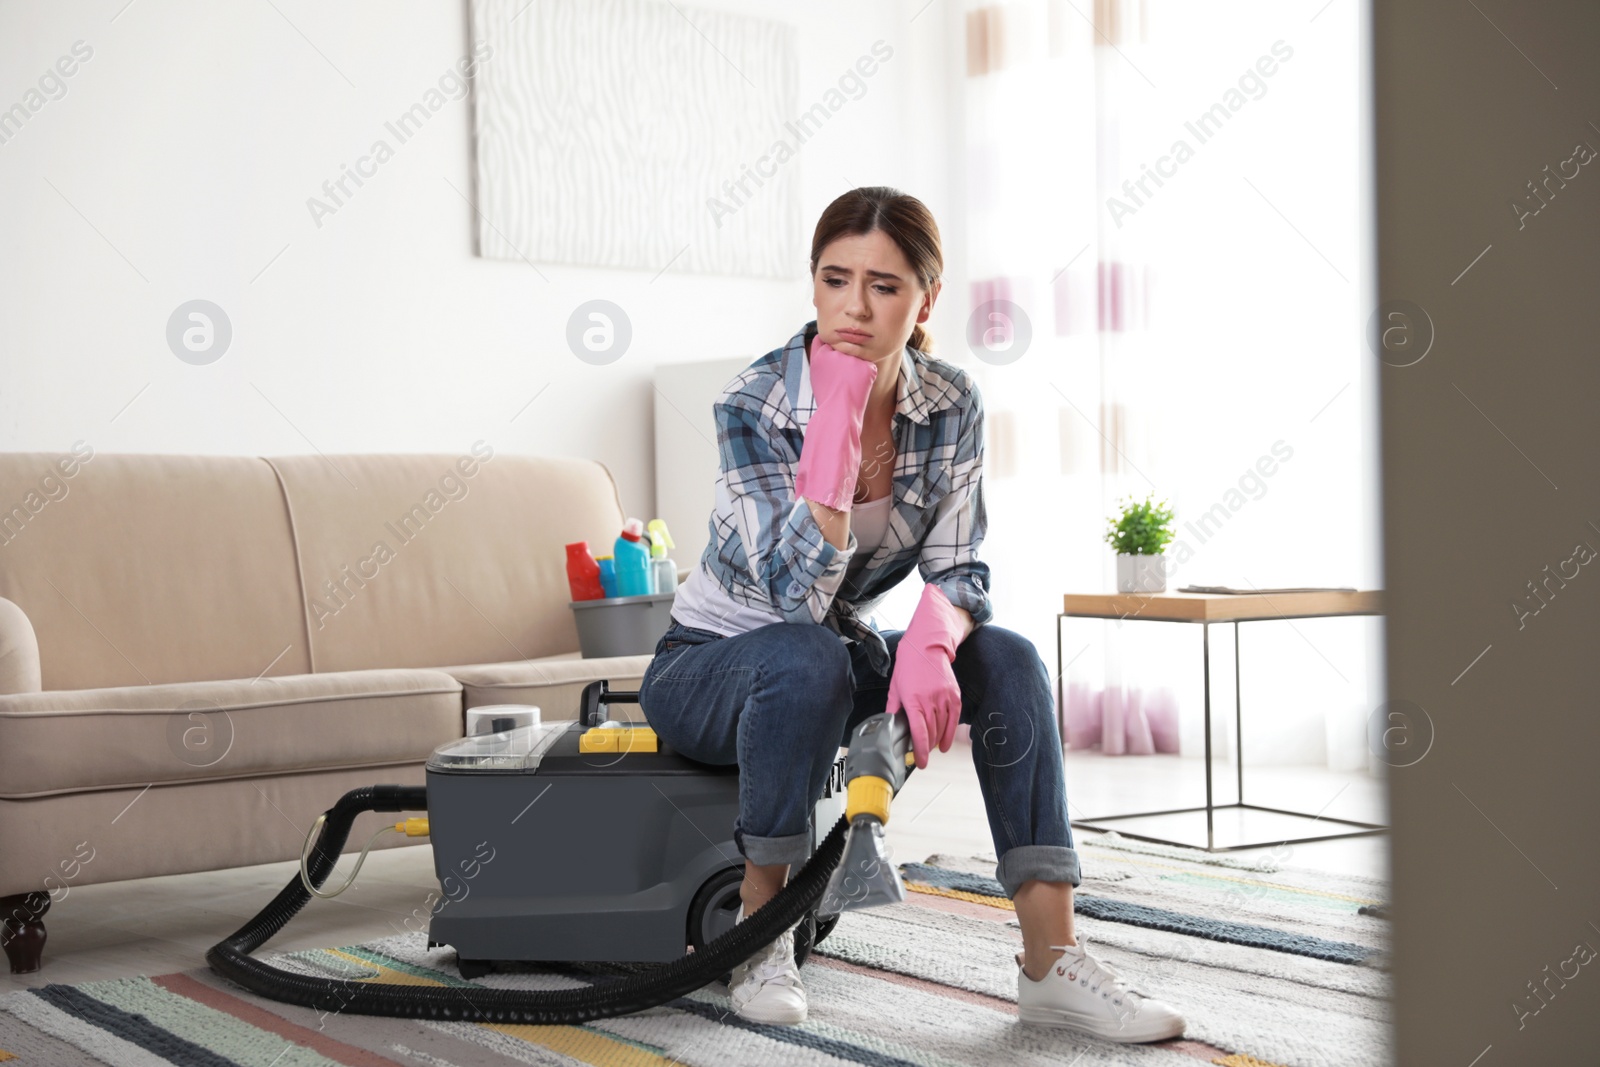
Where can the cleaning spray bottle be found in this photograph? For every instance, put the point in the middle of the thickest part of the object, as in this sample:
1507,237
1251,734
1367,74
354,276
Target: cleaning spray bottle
632,560
663,572
583,573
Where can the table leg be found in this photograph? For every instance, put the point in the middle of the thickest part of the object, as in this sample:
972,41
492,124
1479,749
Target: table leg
1238,714
1097,823
1205,654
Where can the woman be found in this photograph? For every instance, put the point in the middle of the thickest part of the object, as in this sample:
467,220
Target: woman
848,457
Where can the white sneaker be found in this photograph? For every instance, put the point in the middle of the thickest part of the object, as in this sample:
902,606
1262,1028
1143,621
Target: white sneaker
1084,993
766,988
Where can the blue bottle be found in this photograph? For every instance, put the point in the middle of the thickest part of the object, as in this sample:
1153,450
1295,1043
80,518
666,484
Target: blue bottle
608,575
632,560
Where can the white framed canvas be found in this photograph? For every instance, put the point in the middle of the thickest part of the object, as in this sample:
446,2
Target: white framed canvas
636,134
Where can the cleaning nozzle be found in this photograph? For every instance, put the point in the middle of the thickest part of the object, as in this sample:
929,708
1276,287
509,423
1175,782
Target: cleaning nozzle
874,771
660,539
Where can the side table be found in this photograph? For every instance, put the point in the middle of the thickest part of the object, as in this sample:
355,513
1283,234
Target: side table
1206,609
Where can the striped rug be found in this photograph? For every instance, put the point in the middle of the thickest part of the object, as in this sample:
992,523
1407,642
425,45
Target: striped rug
927,982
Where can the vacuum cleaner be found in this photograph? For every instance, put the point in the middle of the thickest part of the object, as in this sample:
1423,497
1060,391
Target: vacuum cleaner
589,841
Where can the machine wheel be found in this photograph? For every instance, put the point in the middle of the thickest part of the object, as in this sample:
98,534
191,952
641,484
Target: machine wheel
473,969
716,906
714,909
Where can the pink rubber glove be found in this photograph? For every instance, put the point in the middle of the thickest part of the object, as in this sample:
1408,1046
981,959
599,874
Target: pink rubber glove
830,453
923,681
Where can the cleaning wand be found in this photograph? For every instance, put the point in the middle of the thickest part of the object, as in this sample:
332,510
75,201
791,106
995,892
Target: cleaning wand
876,767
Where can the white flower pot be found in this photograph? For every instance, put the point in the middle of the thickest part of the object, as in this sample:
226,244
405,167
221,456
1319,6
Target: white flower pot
1141,574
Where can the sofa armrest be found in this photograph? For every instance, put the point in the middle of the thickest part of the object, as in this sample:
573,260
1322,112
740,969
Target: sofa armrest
554,684
19,652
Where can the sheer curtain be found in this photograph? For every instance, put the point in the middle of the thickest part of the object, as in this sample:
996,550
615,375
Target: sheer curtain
1165,237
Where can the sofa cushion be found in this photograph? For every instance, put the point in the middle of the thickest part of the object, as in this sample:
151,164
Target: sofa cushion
441,558
554,683
59,843
144,569
58,742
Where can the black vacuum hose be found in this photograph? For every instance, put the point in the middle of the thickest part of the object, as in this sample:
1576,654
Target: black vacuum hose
231,957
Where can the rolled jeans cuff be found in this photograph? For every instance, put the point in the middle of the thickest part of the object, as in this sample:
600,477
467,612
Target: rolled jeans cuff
793,849
1048,863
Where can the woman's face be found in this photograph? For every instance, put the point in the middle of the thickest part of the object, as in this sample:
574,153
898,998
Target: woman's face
867,296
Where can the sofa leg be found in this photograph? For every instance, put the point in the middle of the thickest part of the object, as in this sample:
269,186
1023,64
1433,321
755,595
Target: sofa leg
22,929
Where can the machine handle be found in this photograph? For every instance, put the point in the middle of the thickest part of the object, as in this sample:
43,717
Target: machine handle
880,748
595,695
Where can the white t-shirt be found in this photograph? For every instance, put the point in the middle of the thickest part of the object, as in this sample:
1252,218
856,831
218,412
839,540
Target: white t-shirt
702,603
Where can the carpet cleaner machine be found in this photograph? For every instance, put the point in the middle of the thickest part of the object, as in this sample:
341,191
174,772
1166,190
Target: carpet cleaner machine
588,841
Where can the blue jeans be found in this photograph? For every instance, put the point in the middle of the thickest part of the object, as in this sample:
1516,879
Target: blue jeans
781,699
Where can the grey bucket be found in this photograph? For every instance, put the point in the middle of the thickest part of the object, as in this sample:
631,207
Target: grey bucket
622,625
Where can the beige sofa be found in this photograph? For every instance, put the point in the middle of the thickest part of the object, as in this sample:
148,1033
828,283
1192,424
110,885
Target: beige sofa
199,654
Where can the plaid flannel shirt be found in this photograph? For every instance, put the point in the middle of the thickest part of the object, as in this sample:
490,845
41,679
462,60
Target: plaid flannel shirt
765,547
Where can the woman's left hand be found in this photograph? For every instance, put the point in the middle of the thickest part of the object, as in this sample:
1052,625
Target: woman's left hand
923,680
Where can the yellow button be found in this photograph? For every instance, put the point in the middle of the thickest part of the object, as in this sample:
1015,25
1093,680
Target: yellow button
638,739
618,739
597,740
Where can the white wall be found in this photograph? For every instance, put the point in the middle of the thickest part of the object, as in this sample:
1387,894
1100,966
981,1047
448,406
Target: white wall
178,163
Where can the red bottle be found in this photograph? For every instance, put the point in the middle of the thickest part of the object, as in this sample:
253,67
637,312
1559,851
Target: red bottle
583,573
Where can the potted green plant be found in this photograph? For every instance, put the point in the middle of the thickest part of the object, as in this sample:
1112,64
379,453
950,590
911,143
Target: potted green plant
1139,535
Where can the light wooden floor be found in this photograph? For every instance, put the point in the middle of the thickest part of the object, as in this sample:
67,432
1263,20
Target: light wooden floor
944,809
161,925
